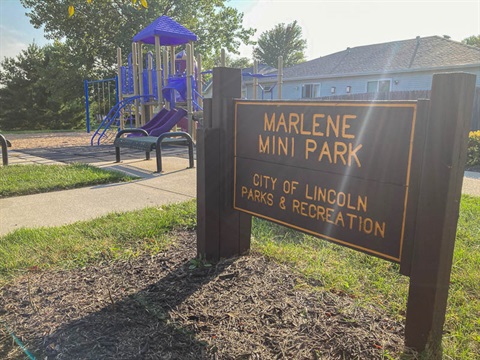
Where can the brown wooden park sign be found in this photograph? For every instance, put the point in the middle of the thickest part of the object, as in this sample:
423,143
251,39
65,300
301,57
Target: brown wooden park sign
381,177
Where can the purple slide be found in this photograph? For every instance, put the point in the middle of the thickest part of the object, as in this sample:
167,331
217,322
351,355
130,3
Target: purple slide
169,124
153,123
159,119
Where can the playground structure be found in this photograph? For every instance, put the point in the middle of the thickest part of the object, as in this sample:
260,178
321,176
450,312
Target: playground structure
104,93
265,87
153,81
260,79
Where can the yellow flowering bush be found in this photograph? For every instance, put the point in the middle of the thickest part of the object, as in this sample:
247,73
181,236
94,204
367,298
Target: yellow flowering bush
473,152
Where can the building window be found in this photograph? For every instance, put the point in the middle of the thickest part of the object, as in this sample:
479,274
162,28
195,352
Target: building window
333,89
384,85
348,90
378,86
310,91
372,86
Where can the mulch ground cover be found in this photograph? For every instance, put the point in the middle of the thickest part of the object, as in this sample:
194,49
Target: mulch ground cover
47,140
168,306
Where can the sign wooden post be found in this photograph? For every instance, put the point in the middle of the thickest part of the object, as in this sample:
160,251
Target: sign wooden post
440,191
222,231
208,185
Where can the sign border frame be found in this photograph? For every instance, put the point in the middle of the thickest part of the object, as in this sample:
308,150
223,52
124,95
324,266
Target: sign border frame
394,104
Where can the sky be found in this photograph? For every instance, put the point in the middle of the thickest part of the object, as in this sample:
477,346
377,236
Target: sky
328,26
16,32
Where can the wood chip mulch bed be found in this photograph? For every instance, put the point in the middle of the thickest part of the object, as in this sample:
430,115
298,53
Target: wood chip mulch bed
160,307
49,140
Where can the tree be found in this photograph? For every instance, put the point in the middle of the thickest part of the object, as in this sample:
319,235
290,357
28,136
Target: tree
63,76
233,62
39,90
472,40
98,28
22,97
282,40
140,4
63,72
240,63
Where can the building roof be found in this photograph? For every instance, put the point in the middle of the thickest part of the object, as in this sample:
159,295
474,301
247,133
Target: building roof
397,56
262,70
170,32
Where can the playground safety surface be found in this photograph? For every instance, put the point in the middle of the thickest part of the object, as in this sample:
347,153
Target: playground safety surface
70,147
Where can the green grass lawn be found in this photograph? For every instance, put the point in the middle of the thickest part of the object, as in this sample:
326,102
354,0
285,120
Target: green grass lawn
374,281
111,237
334,268
16,180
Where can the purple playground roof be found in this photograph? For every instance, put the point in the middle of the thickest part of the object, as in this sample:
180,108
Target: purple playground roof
170,32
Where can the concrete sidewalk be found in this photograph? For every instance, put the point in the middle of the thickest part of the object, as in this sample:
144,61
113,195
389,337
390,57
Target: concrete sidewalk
175,184
471,183
64,207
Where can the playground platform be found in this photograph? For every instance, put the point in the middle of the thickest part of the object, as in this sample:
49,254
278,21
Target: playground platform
175,184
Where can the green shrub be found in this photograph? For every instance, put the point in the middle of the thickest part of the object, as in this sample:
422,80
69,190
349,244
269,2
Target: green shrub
473,152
